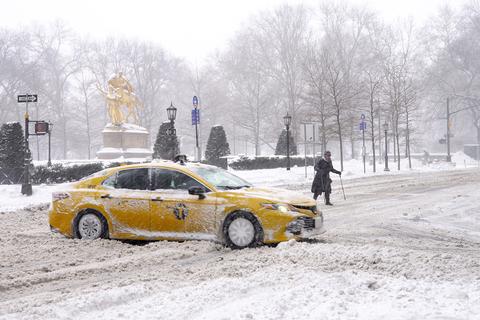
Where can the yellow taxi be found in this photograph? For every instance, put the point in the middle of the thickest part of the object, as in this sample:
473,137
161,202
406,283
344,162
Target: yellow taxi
181,201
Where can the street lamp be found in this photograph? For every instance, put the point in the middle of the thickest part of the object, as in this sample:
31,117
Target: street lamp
172,114
287,120
385,128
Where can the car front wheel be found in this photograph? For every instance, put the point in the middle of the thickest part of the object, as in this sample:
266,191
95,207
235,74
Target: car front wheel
91,225
242,230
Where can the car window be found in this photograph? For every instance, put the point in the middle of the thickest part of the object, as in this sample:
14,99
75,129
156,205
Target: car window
110,181
171,179
135,179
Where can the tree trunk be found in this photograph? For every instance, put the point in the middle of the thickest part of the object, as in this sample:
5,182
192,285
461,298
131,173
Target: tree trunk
340,139
398,147
380,145
324,136
352,143
373,143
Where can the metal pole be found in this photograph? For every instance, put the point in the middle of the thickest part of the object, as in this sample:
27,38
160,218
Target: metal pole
363,150
49,163
288,147
305,146
449,157
386,152
172,137
197,153
26,186
36,137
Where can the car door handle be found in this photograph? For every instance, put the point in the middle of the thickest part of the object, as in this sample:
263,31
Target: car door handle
157,199
106,196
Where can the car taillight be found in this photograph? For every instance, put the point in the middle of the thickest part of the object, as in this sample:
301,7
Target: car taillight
59,196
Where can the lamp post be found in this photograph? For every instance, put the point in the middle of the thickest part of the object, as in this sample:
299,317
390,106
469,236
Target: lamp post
385,128
49,163
287,120
172,114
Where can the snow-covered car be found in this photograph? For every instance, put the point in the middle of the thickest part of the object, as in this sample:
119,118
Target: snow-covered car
173,201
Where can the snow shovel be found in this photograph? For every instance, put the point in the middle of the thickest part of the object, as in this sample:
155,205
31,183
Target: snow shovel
341,182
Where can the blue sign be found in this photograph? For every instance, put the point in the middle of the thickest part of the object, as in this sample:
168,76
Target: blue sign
363,126
195,101
195,117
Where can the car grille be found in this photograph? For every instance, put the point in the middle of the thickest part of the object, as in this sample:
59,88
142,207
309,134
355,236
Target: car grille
311,208
308,223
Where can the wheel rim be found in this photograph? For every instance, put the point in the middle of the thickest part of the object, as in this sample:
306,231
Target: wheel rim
241,232
89,227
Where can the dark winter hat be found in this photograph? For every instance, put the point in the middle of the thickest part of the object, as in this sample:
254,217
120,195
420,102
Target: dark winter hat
327,153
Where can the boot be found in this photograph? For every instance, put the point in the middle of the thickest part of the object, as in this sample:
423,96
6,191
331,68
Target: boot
327,199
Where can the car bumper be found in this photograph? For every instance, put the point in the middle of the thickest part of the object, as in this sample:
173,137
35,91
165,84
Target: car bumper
306,227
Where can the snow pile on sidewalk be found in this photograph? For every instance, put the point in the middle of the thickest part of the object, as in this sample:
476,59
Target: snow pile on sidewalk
11,198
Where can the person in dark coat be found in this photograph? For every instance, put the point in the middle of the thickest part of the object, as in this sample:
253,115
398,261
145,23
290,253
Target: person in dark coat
322,182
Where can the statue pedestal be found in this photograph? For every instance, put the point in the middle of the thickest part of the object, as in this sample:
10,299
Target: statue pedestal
126,141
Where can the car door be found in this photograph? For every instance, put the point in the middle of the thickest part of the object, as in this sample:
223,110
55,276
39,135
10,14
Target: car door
176,213
126,199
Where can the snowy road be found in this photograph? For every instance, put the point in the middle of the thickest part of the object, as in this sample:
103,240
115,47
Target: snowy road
403,246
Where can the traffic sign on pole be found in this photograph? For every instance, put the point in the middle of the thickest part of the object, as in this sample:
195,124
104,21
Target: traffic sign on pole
195,117
363,126
196,122
23,98
41,128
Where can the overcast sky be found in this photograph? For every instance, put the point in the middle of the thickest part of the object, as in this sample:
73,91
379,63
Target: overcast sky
187,28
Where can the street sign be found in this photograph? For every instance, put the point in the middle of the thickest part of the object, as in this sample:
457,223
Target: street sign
363,126
27,98
195,117
41,128
195,101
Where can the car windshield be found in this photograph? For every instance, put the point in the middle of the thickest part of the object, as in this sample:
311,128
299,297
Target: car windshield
220,178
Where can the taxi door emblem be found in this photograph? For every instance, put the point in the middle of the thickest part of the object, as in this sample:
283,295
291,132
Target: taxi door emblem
180,211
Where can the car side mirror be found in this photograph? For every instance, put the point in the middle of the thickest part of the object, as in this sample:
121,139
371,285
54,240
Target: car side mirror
197,191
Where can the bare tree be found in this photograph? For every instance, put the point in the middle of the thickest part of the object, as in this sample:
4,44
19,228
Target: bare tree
59,61
343,30
282,37
250,87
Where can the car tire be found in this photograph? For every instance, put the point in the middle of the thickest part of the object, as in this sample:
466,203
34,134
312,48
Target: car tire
242,230
91,225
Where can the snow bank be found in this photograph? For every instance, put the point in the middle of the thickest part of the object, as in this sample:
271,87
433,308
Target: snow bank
11,198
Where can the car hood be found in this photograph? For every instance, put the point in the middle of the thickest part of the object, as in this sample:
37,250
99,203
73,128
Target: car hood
276,195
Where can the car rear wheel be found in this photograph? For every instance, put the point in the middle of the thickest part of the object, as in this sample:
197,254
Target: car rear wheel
91,225
242,230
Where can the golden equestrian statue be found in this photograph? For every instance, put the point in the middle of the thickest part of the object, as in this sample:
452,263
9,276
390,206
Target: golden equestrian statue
120,93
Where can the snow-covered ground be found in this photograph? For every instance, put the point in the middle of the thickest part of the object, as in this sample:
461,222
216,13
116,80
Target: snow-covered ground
404,245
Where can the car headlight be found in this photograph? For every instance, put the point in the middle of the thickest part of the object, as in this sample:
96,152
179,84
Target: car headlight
279,207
